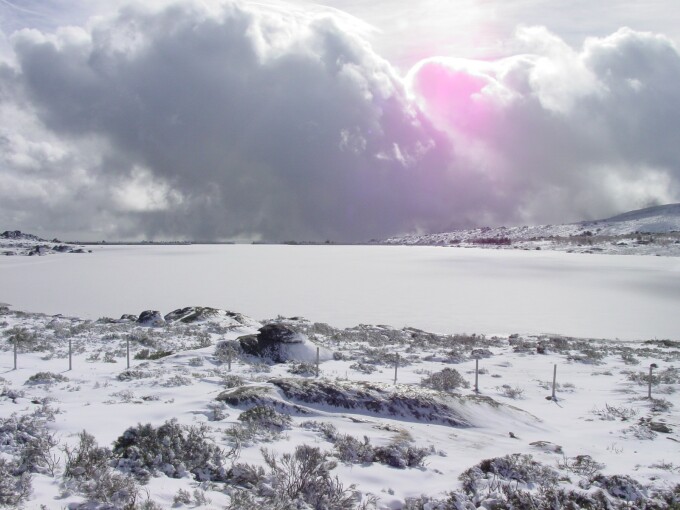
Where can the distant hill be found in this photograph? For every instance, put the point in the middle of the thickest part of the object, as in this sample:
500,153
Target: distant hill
15,242
649,231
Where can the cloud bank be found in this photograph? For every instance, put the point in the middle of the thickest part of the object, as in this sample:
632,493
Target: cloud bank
190,120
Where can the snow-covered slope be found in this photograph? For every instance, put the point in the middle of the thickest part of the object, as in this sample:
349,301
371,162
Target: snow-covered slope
15,242
392,421
650,231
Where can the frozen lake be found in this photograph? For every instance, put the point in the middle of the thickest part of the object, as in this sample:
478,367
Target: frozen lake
445,290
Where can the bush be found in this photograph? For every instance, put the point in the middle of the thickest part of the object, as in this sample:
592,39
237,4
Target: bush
446,380
265,417
304,368
172,448
86,459
15,486
304,476
28,439
46,378
87,471
494,473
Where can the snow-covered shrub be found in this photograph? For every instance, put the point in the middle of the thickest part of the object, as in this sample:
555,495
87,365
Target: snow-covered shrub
494,473
28,439
582,465
400,454
15,485
177,380
588,355
350,449
446,380
172,448
265,417
363,367
232,381
304,476
86,459
87,471
182,497
159,354
612,413
515,393
134,373
304,368
46,378
622,487
227,349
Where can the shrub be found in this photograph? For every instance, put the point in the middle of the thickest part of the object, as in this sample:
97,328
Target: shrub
515,393
15,486
87,471
304,475
86,459
401,455
172,448
28,439
46,378
232,381
304,368
499,471
265,417
446,380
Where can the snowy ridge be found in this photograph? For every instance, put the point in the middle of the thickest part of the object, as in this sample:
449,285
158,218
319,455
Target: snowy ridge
650,231
15,242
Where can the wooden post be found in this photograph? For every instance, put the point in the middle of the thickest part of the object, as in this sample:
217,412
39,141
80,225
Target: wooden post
15,353
649,386
554,382
70,354
128,351
229,360
317,362
396,368
476,375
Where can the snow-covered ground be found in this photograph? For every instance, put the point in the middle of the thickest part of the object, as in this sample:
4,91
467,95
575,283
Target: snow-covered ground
601,424
650,231
436,289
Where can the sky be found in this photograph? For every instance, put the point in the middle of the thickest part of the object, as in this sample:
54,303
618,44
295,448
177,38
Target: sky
349,120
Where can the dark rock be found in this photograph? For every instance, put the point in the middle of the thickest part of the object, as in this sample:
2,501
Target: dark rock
249,344
150,318
191,314
271,340
129,317
657,426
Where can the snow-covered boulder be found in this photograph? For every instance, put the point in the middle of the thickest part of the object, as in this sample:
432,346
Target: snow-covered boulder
150,318
280,343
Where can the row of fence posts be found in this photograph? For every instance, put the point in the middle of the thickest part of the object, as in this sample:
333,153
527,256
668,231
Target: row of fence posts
396,367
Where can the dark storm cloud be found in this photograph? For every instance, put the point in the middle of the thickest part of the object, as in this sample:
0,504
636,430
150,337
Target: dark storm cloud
256,124
224,121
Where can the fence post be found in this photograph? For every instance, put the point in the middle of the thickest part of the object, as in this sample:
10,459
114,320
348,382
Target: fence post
15,353
128,351
229,360
554,382
649,386
70,354
317,362
396,367
476,375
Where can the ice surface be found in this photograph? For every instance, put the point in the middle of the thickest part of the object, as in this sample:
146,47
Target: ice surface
436,289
